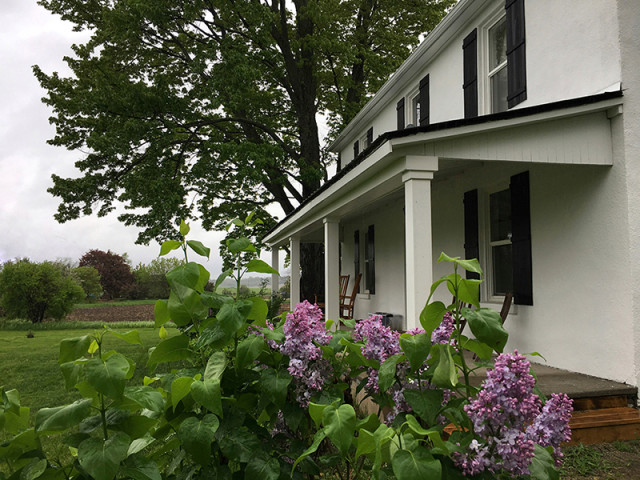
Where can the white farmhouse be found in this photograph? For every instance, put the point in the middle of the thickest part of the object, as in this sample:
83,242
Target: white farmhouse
511,134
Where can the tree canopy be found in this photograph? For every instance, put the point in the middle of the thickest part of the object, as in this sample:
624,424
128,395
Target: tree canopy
209,109
116,277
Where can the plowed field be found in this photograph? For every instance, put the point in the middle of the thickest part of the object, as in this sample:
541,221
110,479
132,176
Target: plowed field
114,313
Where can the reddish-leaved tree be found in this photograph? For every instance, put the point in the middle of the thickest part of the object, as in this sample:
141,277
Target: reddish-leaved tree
115,274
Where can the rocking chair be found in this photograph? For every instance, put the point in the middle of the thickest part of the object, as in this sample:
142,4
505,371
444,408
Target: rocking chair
348,302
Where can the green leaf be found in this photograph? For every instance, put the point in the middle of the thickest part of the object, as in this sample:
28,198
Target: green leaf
260,266
416,348
426,403
232,315
208,394
132,337
184,228
146,397
33,469
11,400
340,425
101,459
185,306
180,388
221,278
138,468
239,444
542,466
71,372
186,275
387,372
242,244
249,350
196,436
169,245
469,291
73,348
416,464
317,439
140,444
24,442
431,316
445,375
216,366
471,265
315,412
161,313
259,311
483,350
263,467
365,443
203,279
15,423
486,325
172,349
109,376
275,384
199,248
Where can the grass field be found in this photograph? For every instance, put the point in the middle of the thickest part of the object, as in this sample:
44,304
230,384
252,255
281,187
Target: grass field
31,364
115,303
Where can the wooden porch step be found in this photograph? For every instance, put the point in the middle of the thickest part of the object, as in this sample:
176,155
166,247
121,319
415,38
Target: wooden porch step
594,403
604,425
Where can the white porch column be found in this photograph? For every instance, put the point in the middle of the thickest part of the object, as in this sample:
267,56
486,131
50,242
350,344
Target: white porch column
418,242
275,263
331,268
294,247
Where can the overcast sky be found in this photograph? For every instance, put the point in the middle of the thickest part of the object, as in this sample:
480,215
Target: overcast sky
30,35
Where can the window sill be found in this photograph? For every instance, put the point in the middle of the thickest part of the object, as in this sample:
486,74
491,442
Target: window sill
495,303
363,296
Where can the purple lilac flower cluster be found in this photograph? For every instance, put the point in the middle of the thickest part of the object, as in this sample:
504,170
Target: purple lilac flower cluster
507,416
551,427
380,343
304,330
441,335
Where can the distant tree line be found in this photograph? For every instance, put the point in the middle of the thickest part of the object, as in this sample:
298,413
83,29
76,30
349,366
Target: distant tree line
49,289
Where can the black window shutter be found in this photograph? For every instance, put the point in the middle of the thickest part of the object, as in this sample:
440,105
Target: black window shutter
356,149
369,137
516,57
470,74
424,101
471,244
371,261
521,239
400,113
356,254
339,164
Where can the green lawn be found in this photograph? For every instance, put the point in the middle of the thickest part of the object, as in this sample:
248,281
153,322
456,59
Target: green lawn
115,303
31,364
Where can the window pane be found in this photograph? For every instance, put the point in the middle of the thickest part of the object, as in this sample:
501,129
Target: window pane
499,89
500,215
415,107
502,269
498,44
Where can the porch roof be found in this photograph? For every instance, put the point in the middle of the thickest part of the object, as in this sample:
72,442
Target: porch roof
574,131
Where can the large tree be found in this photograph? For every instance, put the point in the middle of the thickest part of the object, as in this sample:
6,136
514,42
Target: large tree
209,108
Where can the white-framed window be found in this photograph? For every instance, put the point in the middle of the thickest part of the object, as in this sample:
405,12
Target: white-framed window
413,109
495,233
499,243
364,142
497,80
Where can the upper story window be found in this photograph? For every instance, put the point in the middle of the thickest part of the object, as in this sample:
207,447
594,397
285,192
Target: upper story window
495,66
497,77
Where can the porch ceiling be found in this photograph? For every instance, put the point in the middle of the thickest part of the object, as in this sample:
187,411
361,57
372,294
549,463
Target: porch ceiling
579,134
